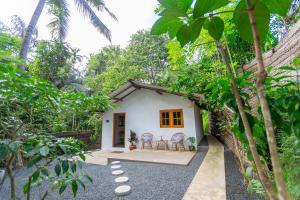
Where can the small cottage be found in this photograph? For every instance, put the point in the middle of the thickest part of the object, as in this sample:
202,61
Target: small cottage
144,108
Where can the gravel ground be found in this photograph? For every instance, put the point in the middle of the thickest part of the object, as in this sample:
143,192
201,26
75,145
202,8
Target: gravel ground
148,181
235,188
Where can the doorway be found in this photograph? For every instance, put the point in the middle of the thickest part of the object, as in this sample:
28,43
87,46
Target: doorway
119,130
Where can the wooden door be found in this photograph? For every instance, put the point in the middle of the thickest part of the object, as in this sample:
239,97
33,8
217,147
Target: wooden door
119,130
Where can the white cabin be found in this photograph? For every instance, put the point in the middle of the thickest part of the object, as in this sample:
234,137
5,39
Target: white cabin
144,108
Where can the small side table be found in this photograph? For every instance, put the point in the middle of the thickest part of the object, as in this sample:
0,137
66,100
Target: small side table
162,144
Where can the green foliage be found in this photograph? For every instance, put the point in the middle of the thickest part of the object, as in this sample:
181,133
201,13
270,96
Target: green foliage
241,18
99,62
96,122
145,59
9,46
41,151
54,61
290,159
205,121
181,23
54,150
280,7
168,25
215,27
206,6
192,143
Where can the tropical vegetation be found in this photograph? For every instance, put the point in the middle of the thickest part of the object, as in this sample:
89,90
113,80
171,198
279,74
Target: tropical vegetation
197,46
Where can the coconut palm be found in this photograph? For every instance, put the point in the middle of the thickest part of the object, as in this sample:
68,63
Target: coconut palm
59,24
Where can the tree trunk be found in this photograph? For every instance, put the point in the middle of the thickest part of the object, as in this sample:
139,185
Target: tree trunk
29,31
11,177
261,76
263,176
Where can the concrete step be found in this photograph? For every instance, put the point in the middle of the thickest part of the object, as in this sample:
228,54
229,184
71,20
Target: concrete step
202,148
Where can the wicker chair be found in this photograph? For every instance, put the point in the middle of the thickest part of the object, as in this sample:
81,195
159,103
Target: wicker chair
147,138
177,142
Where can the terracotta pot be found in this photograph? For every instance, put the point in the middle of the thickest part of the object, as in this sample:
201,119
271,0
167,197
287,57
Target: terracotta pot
132,147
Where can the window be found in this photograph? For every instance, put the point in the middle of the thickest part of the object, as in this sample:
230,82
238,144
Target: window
171,118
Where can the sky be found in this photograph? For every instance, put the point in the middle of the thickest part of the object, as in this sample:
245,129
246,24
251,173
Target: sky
133,15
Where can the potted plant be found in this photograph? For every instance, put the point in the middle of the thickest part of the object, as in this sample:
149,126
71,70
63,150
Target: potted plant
192,141
133,140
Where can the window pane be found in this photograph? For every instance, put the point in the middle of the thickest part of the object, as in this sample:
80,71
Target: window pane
175,121
167,122
178,121
178,115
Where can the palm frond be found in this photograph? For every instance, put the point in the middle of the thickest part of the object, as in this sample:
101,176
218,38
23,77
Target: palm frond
100,6
60,23
85,8
18,26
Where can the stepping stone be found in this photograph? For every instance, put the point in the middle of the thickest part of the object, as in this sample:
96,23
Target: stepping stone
122,179
115,162
115,167
122,190
117,172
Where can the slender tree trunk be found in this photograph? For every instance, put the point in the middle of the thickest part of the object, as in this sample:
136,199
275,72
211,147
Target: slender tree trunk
263,176
29,31
11,177
261,76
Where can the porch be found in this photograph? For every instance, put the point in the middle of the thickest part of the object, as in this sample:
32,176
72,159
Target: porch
151,156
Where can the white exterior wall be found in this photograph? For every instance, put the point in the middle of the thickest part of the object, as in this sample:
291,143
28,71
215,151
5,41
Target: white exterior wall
142,115
198,124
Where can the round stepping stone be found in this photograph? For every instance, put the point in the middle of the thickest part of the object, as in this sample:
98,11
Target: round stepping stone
115,167
122,190
117,172
115,162
122,179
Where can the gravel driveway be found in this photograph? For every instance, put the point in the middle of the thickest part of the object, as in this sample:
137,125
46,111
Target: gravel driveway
148,181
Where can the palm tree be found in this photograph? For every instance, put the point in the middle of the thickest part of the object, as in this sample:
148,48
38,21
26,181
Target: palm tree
59,24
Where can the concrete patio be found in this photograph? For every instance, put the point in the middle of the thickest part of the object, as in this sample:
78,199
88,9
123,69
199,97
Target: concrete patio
101,157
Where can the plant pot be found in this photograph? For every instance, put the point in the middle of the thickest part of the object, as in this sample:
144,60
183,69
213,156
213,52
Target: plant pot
132,147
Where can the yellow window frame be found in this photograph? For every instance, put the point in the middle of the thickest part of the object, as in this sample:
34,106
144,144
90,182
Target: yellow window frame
171,118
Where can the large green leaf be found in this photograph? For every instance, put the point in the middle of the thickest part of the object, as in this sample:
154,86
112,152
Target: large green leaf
280,7
172,13
189,33
215,27
183,35
35,175
183,5
242,21
196,26
74,188
65,165
62,188
205,6
44,151
166,24
57,169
